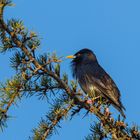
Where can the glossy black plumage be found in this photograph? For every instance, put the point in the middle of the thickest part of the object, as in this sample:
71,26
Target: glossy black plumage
94,80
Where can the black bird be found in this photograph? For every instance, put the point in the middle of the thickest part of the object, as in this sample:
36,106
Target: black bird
94,80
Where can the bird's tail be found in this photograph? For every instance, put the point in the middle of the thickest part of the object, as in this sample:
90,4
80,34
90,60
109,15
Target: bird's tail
119,106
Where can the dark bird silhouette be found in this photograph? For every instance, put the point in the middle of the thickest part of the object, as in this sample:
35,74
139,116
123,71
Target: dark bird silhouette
93,79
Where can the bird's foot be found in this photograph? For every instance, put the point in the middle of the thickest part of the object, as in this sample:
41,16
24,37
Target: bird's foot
91,101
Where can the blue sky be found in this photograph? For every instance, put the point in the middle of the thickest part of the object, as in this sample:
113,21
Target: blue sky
110,28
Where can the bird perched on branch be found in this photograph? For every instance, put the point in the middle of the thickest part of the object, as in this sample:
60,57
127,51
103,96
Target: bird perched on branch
94,80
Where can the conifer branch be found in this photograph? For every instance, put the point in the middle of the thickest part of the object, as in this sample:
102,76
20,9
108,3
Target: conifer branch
10,92
59,111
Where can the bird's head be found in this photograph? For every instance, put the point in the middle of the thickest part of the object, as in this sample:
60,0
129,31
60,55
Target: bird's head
83,56
81,59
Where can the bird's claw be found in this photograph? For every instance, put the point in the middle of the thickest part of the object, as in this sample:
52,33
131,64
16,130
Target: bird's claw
91,101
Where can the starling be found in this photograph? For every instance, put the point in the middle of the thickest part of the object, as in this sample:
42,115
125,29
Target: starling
93,79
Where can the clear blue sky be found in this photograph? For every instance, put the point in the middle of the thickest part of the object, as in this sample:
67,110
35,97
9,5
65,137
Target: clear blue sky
110,28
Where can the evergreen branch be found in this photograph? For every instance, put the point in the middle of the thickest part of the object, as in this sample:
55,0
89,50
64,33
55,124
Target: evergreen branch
59,111
9,93
56,121
3,4
97,132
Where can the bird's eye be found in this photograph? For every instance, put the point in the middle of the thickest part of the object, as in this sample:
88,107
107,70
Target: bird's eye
78,54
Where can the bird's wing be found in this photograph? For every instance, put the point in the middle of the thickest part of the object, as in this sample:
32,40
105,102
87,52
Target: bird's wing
107,87
103,82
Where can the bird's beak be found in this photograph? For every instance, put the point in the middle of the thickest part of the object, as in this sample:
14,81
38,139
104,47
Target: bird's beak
70,56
